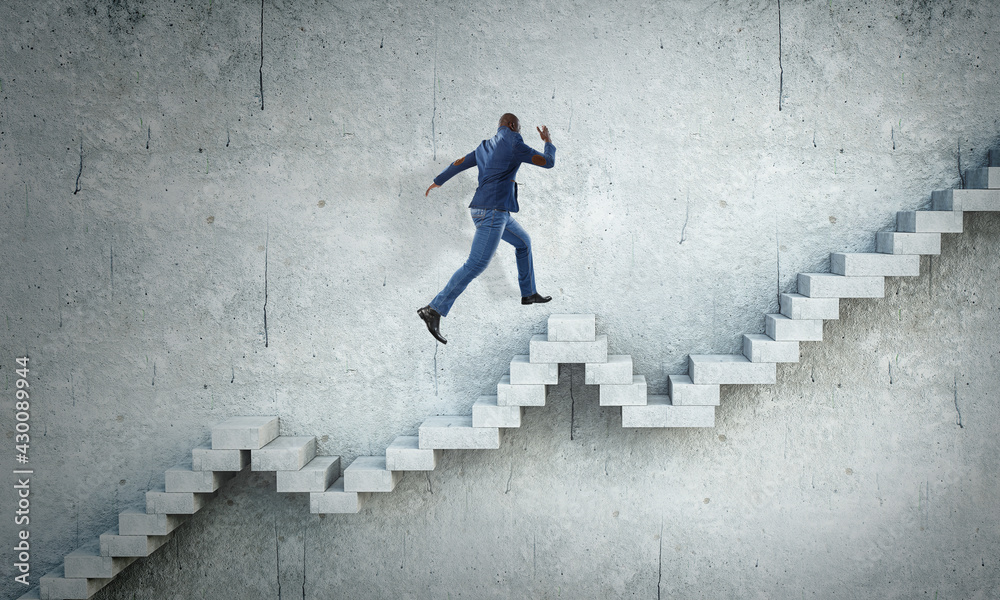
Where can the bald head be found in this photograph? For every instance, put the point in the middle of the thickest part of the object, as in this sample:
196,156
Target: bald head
510,121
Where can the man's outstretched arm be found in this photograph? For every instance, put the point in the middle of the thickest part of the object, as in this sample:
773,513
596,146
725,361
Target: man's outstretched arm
528,154
469,160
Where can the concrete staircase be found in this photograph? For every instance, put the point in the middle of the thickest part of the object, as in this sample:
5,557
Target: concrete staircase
690,401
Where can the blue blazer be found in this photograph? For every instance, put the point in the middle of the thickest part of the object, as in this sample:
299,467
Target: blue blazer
498,160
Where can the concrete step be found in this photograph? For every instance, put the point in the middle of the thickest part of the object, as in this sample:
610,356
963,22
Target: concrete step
316,476
284,453
34,593
729,369
205,458
519,395
336,501
782,329
984,178
56,586
244,433
162,502
894,242
116,545
929,221
572,328
405,454
542,350
966,200
831,285
87,562
136,521
684,392
181,478
633,394
486,412
457,432
617,371
760,348
524,372
659,412
873,264
797,306
368,474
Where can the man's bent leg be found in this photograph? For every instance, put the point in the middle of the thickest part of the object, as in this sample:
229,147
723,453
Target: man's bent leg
490,225
516,236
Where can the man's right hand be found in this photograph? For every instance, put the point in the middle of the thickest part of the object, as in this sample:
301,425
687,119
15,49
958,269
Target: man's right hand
433,185
544,132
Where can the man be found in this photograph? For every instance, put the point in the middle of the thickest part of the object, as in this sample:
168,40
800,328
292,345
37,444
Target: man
498,160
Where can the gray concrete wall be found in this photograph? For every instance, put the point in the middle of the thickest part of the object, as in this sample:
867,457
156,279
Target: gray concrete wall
164,185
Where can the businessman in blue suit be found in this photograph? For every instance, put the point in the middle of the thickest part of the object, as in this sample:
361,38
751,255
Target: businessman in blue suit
492,206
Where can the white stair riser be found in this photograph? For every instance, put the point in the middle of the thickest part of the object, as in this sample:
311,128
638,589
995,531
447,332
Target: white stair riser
114,544
519,395
761,348
524,372
633,394
454,433
826,285
244,433
929,221
893,242
487,413
170,503
368,474
729,369
660,413
133,522
336,501
541,350
617,371
966,200
54,585
183,479
286,453
782,329
404,454
684,392
797,306
205,458
87,562
316,476
571,328
874,264
984,178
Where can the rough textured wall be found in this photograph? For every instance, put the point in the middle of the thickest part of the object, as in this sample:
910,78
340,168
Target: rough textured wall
216,208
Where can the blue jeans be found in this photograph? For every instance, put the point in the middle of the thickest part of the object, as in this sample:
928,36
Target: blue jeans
491,227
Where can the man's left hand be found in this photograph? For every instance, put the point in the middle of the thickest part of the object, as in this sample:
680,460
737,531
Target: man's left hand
433,185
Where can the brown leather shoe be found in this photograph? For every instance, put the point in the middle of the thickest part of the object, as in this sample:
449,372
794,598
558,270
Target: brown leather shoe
535,298
433,320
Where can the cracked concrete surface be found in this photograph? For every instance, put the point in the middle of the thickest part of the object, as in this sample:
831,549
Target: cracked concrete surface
207,125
